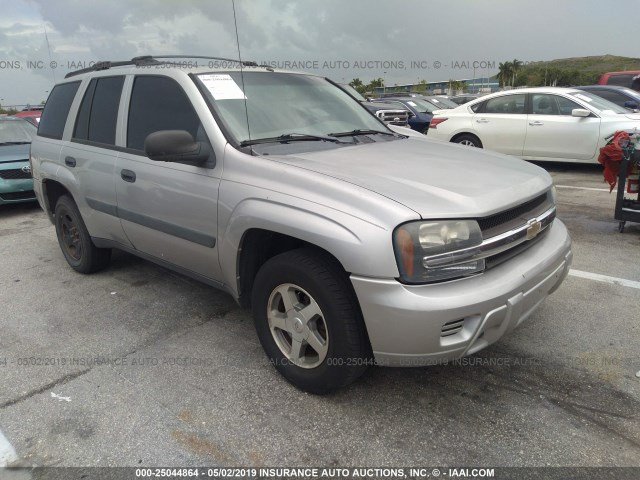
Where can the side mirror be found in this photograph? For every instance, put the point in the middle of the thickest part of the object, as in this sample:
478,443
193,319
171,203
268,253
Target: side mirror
410,114
580,112
631,104
176,146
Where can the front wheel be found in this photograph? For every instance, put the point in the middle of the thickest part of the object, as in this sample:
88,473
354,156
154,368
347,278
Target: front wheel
74,239
309,322
468,140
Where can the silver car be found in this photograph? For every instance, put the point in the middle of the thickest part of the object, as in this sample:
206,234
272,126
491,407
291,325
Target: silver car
352,243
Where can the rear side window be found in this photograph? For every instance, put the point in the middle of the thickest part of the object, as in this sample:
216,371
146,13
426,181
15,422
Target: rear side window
56,110
159,103
98,112
511,104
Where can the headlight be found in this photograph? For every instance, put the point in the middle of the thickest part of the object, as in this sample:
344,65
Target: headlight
415,242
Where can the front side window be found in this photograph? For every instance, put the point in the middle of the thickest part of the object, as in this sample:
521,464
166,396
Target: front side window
510,104
56,110
159,103
266,105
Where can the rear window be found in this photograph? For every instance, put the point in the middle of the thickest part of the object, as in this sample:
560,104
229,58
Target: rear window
621,80
56,111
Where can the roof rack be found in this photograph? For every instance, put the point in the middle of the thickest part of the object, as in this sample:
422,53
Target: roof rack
146,60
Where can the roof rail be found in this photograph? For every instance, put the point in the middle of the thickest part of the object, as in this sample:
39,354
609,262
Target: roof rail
145,60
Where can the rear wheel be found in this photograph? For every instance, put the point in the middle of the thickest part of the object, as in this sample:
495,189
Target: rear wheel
309,322
76,245
468,140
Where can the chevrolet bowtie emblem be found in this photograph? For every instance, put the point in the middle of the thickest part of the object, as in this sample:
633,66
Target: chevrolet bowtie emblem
534,229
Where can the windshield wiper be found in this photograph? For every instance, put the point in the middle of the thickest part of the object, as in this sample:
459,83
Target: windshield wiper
289,137
14,143
360,131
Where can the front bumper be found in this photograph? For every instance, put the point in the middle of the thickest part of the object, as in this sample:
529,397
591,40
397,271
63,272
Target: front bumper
15,191
406,323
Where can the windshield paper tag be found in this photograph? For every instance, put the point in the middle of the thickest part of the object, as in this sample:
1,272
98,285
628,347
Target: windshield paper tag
222,87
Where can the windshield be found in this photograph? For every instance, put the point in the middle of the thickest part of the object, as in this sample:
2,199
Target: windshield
284,103
16,131
423,106
443,102
353,92
598,103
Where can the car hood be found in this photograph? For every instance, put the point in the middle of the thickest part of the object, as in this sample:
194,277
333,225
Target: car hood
435,179
13,153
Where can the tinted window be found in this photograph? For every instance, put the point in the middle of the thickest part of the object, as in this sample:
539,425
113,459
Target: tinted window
81,130
159,103
620,80
56,110
98,113
612,96
506,104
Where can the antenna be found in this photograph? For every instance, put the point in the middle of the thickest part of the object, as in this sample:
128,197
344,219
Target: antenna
244,92
53,71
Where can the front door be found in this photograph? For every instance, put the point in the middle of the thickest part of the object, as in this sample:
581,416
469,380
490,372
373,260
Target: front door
168,210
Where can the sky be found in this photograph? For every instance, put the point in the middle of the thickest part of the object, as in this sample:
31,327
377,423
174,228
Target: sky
399,41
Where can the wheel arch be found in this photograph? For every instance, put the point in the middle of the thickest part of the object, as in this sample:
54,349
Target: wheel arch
461,134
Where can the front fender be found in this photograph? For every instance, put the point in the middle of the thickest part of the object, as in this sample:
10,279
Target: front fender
359,246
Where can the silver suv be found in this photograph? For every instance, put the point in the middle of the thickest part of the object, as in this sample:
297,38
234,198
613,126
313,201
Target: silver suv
353,244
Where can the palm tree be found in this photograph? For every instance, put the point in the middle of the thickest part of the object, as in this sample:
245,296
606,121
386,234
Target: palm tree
515,66
505,72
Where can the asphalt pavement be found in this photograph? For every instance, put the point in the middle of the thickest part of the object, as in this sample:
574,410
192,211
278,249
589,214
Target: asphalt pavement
139,366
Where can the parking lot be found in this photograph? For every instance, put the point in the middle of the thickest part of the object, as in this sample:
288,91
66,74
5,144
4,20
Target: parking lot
137,365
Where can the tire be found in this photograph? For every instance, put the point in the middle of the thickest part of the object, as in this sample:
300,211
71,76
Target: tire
74,239
468,140
319,342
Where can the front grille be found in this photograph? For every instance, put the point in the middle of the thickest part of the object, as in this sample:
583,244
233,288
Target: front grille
496,260
394,117
26,195
15,174
452,327
514,217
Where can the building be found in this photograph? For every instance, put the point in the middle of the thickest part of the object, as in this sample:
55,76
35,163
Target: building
471,85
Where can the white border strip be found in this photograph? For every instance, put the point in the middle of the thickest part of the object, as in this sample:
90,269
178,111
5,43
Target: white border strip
7,453
584,188
604,278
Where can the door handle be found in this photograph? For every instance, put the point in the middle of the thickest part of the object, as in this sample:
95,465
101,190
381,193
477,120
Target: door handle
536,123
70,162
128,176
482,120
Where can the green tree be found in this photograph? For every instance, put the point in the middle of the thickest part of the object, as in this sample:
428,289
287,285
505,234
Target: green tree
515,67
358,85
505,72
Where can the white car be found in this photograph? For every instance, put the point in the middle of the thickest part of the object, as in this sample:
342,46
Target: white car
546,123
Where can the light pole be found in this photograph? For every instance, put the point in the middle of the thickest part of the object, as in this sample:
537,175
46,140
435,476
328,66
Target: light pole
384,83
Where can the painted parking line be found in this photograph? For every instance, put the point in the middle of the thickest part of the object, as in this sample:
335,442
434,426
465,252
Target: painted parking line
584,188
7,453
605,279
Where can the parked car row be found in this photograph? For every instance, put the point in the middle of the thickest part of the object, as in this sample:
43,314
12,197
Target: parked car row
546,123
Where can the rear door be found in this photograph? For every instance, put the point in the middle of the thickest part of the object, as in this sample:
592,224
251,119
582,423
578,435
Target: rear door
552,133
91,155
168,210
501,123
